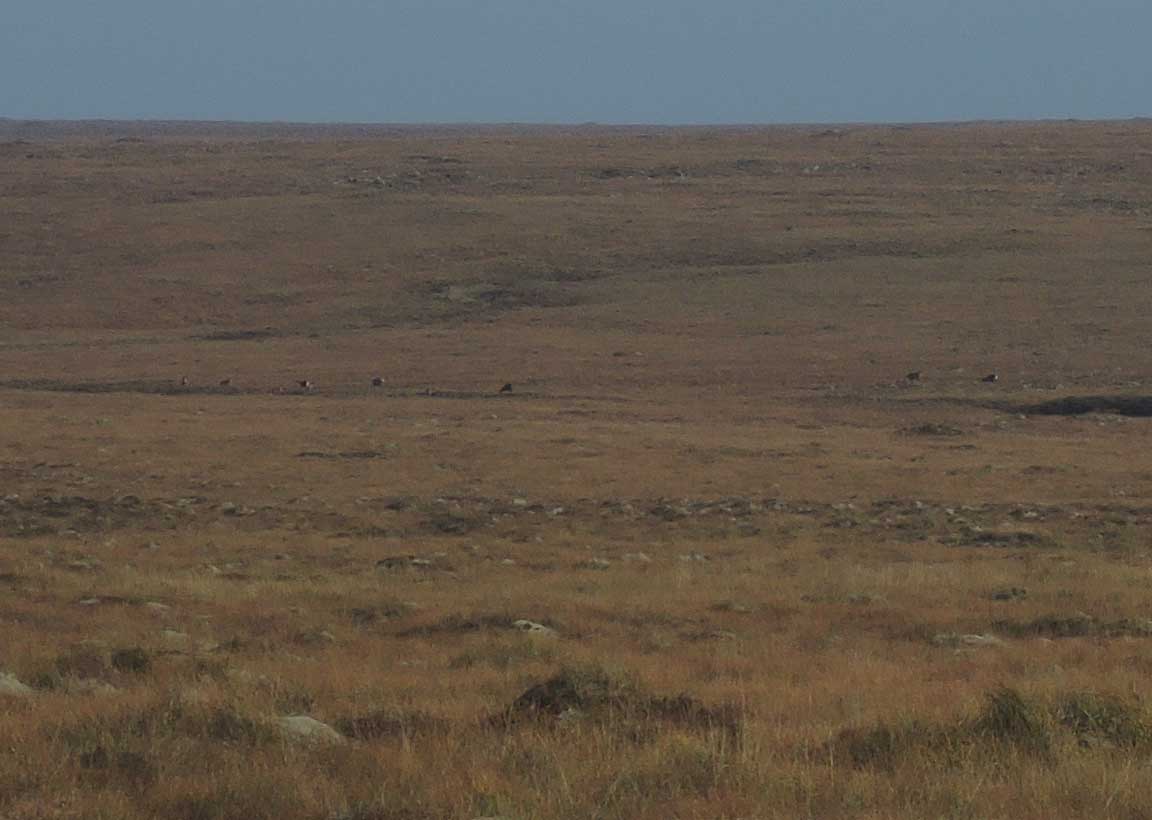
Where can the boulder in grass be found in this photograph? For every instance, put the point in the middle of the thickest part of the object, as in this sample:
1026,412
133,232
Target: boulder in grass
308,730
533,628
11,685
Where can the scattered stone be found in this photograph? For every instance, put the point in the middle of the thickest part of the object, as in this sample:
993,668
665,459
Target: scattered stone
718,635
638,557
1010,594
694,557
11,685
931,429
308,730
952,640
595,563
84,565
315,637
533,628
399,562
731,606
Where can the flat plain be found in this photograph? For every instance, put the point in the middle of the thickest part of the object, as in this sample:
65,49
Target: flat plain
714,554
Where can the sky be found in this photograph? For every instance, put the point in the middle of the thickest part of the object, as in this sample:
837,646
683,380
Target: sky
574,61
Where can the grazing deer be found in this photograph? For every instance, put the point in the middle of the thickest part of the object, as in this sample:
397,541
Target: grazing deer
305,384
225,382
506,388
991,378
377,382
183,381
914,376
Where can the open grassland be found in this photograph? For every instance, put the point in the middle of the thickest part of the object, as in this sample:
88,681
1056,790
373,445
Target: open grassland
713,556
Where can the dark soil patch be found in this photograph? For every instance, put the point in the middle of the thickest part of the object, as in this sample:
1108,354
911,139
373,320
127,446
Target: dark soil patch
237,335
1078,625
930,429
974,537
46,515
1137,406
350,455
457,624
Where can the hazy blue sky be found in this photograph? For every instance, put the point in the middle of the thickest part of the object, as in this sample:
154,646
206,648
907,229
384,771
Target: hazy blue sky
576,60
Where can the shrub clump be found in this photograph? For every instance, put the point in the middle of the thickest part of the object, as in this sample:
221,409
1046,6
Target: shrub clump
592,693
1007,721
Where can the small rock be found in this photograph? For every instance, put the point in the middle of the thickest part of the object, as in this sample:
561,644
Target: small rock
596,563
721,635
84,565
308,730
11,685
955,641
638,557
533,628
694,557
731,606
174,637
316,637
397,562
1010,594
157,608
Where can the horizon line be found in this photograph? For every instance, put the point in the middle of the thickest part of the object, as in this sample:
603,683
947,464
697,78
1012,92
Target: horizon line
226,122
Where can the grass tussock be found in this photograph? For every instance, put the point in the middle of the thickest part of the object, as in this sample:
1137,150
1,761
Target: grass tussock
1009,723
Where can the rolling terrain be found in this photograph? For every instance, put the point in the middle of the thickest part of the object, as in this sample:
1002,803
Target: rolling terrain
714,555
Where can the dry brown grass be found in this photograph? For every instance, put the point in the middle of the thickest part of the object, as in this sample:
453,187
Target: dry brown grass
784,581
